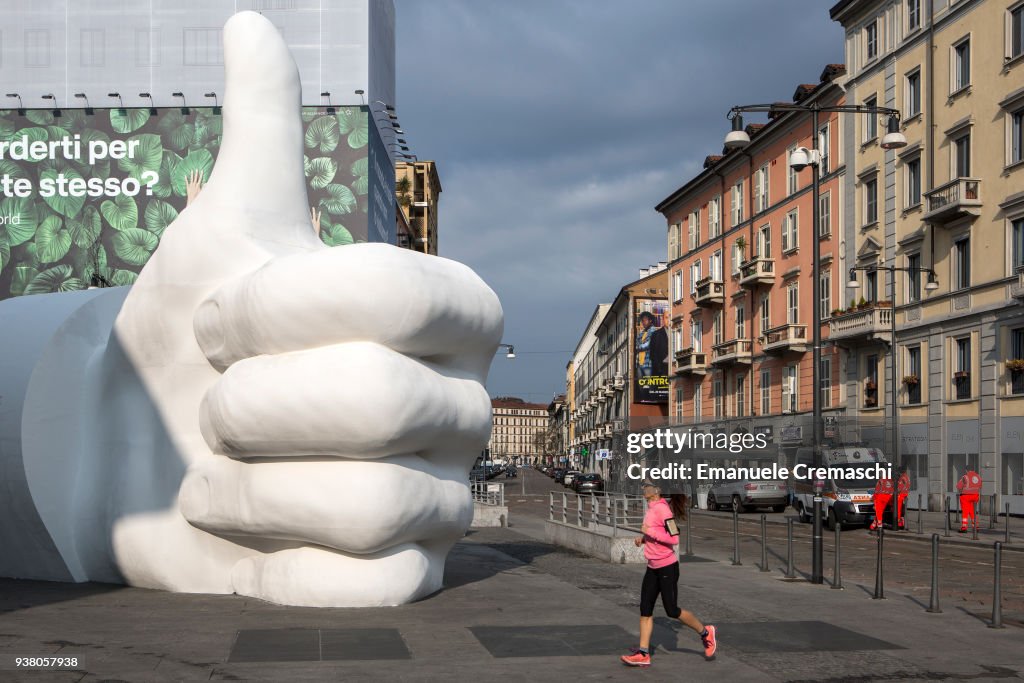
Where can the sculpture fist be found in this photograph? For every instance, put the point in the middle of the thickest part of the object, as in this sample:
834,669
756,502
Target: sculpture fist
274,417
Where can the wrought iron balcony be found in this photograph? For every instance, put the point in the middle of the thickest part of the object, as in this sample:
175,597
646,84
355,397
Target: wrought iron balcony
863,324
688,360
735,351
757,271
788,337
958,198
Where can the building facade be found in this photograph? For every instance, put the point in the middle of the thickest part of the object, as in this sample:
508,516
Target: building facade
418,188
583,390
518,429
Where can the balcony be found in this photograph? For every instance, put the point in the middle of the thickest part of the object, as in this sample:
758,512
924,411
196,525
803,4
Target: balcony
688,360
757,271
735,351
619,383
956,199
709,292
863,324
1017,289
789,337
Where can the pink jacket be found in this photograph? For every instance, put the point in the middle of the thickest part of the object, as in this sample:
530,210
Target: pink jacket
659,545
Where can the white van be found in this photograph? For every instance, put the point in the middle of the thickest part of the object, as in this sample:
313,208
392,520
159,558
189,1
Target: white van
847,501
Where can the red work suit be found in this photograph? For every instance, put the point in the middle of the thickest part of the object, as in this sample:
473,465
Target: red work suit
902,491
969,487
883,494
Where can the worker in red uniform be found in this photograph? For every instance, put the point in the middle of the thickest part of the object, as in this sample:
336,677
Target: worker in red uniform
902,491
969,488
883,494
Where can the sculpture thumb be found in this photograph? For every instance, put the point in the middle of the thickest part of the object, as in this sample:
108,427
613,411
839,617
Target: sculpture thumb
259,169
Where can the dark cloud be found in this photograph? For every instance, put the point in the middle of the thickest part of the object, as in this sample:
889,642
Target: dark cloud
557,126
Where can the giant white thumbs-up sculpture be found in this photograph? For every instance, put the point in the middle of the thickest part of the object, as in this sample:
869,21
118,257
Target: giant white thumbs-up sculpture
259,414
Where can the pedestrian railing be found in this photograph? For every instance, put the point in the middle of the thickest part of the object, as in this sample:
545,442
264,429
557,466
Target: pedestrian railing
488,493
609,513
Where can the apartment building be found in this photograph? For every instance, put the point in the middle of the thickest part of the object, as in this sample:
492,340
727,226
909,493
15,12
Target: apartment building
952,200
418,189
583,391
558,429
740,244
518,429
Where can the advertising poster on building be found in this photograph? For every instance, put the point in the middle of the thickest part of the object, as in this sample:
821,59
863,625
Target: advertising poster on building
85,196
650,351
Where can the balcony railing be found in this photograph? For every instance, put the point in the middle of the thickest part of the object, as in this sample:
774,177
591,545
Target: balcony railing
709,292
757,271
1018,290
735,351
788,337
956,199
866,323
688,360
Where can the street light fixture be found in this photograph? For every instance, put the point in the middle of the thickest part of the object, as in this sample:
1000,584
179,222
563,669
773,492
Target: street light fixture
737,139
511,350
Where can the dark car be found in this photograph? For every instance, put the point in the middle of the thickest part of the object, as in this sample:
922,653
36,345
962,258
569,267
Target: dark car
560,475
588,483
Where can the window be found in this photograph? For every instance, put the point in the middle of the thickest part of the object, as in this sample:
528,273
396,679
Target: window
912,107
674,233
1016,31
870,201
203,47
737,204
714,217
737,258
871,36
91,47
716,328
1016,136
825,214
147,50
871,382
913,15
764,242
37,48
679,404
962,156
824,147
694,229
677,286
961,65
914,373
789,389
826,294
696,402
962,369
913,278
1017,238
1017,353
871,285
962,263
741,322
677,338
716,389
793,301
694,276
766,392
913,174
741,395
870,121
715,266
696,335
825,382
792,178
789,231
761,189
766,317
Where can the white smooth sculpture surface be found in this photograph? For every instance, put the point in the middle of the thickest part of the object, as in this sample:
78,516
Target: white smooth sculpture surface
259,414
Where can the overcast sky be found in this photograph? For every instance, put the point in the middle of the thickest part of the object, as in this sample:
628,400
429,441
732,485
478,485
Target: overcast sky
558,125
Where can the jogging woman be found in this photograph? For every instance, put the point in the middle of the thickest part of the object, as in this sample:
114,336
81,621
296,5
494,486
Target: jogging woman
662,576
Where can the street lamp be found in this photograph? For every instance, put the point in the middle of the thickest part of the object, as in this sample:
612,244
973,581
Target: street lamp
738,139
932,285
511,350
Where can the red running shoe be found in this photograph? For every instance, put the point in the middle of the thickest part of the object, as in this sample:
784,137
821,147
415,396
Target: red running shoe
710,642
636,659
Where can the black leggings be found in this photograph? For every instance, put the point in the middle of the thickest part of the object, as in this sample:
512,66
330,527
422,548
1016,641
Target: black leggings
663,580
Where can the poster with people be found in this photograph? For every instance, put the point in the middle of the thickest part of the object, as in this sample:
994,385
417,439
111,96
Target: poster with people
650,364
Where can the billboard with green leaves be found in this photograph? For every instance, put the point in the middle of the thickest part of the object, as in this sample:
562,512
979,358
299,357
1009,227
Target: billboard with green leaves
86,195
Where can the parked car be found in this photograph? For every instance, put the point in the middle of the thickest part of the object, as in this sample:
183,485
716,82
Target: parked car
588,483
569,476
745,494
847,501
559,475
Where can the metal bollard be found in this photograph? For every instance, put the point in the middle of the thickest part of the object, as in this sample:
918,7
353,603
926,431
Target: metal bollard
551,505
933,600
764,543
837,579
790,568
997,595
945,509
920,529
579,510
879,576
565,514
593,510
1006,538
992,511
736,538
689,534
613,509
974,527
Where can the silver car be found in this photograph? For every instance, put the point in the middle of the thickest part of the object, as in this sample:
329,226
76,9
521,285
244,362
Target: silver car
745,494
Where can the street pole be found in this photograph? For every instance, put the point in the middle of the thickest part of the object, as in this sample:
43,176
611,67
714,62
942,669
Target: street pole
893,354
817,572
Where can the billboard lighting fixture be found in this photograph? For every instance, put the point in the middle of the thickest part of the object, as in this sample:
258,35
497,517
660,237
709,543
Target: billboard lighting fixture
56,109
184,105
120,108
216,104
387,106
21,107
152,105
361,92
88,110
327,94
